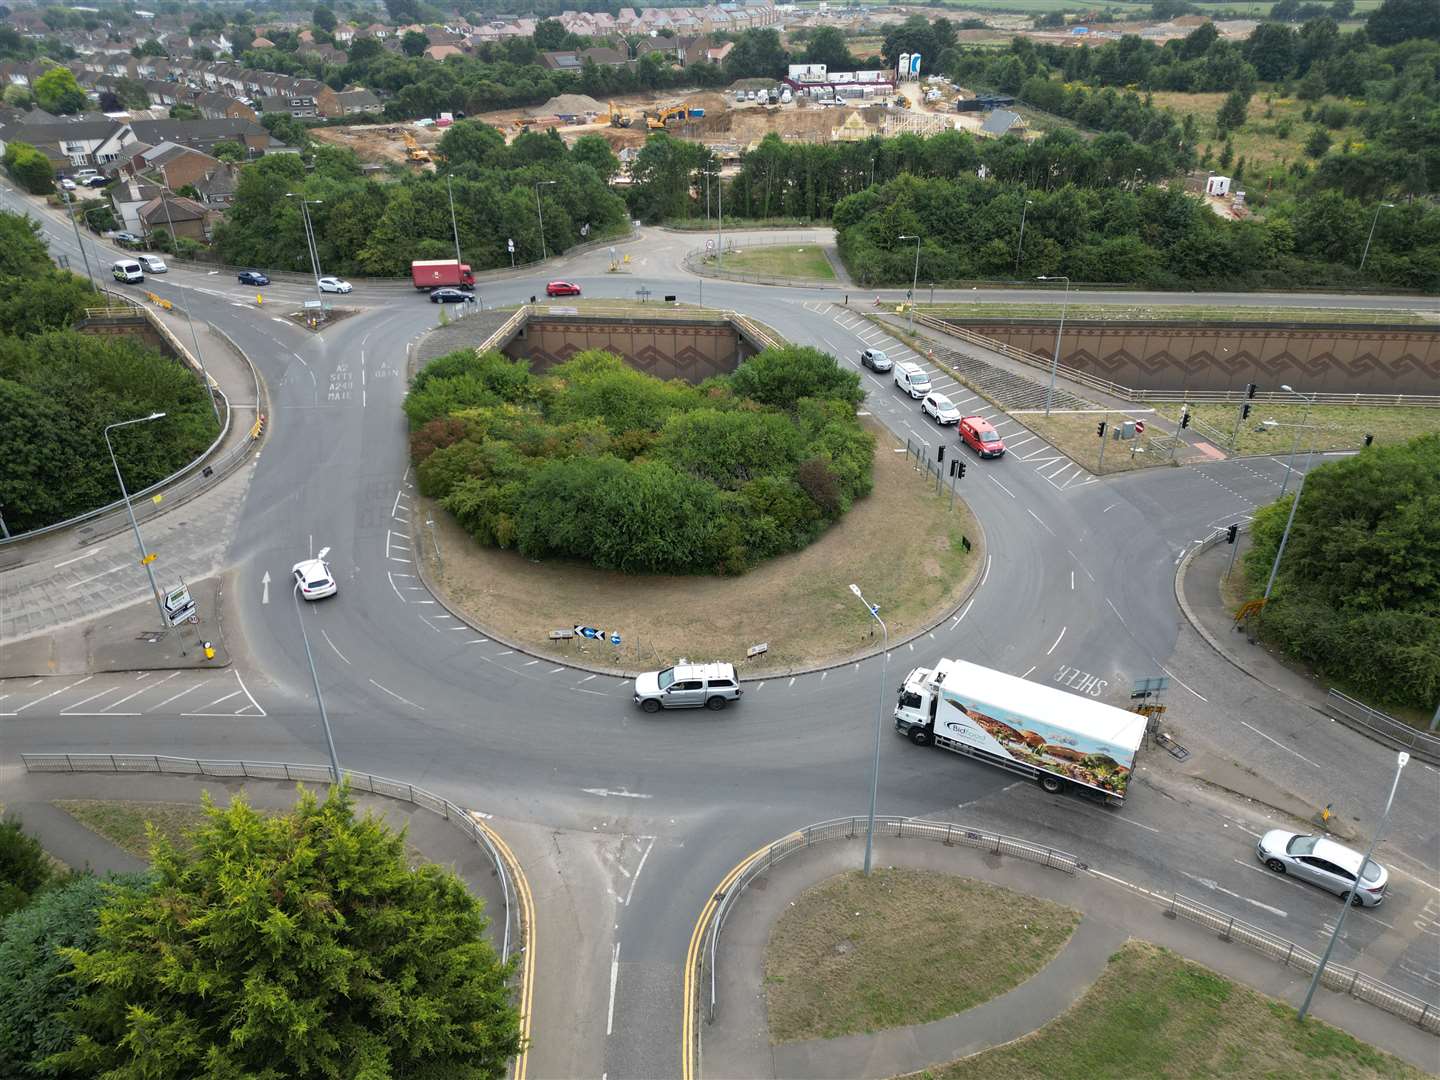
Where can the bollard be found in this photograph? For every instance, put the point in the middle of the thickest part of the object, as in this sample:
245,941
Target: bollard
209,651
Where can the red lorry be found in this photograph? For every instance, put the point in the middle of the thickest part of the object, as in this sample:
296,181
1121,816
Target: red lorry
433,273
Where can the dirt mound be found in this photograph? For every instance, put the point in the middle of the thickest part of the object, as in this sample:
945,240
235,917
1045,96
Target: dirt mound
568,105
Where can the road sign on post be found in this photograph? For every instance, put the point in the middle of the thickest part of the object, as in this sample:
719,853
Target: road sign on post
1139,427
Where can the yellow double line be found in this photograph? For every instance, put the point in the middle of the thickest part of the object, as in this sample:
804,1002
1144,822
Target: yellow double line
691,973
527,966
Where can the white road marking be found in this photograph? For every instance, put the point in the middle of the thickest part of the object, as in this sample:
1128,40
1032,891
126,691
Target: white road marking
227,697
1217,887
1182,683
1027,673
605,793
52,693
986,575
1001,486
1278,743
182,693
485,641
97,577
1037,518
645,855
963,612
332,645
77,558
1057,641
614,975
1109,508
396,696
792,681
137,693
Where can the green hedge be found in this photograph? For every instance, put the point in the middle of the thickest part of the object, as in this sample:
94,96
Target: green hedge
598,462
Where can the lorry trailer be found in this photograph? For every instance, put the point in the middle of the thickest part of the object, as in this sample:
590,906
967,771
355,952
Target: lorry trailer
1059,739
433,273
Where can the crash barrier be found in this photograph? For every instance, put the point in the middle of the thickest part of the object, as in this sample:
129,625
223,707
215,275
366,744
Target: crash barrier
1382,726
850,828
514,927
1335,977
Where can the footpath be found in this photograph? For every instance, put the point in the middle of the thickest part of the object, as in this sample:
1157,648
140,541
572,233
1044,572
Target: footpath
737,1043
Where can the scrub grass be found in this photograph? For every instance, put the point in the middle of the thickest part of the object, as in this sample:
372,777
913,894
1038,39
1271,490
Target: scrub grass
1152,1013
1329,427
123,823
857,954
802,262
1170,313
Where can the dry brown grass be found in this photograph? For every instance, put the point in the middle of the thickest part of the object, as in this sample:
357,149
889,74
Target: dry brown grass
123,823
856,954
800,604
1073,434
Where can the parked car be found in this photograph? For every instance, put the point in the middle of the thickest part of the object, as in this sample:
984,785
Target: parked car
451,296
335,285
314,578
912,378
67,183
562,288
875,359
980,435
252,277
95,181
940,409
128,239
153,264
1321,861
688,686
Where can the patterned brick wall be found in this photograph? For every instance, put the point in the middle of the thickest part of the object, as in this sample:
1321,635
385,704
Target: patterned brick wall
668,350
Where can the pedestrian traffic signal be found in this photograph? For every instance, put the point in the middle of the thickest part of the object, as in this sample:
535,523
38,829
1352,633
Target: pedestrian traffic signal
1231,533
1369,439
1100,429
962,470
1185,419
1244,410
1250,389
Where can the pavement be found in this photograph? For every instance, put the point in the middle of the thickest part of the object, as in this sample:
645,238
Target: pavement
737,1044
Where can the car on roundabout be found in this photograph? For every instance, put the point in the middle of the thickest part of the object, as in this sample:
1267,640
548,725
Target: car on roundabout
253,277
562,288
313,577
448,295
335,285
688,686
875,360
1324,862
940,409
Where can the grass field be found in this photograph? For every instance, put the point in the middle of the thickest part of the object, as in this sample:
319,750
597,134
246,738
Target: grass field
1154,1014
1258,142
123,823
804,262
1329,427
857,954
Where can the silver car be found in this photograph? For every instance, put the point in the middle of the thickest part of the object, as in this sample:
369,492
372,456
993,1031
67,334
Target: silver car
1321,861
688,686
875,359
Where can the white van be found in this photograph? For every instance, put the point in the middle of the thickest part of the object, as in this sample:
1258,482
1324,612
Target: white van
127,271
912,379
152,264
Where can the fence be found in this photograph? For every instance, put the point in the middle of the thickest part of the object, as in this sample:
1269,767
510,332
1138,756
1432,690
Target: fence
1383,726
1126,393
275,770
853,827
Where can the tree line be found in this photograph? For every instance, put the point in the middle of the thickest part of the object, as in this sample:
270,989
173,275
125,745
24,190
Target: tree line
59,389
598,462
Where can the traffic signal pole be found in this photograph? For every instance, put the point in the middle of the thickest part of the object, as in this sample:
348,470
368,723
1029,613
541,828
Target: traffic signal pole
1101,430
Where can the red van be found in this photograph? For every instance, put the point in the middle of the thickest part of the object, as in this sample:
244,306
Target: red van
977,433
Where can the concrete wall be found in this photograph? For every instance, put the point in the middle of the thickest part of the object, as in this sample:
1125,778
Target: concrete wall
1331,358
668,349
136,327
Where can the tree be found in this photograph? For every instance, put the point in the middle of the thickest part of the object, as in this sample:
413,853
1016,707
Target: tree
414,43
1232,112
131,93
1318,144
594,151
300,944
30,168
403,11
549,35
24,867
1395,21
1340,10
912,36
827,46
58,92
22,246
1271,49
287,129
228,151
783,375
148,47
322,18
757,53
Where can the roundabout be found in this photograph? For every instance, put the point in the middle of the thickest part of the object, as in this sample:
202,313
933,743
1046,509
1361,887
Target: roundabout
625,823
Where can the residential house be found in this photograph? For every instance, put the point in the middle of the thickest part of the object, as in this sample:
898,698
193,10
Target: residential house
357,101
214,106
126,199
74,141
178,215
1002,122
170,163
205,134
298,105
217,187
440,52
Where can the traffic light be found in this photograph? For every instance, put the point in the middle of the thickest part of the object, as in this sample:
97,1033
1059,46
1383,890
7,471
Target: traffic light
1100,429
940,453
1369,439
1244,410
1185,418
1231,533
1250,389
962,470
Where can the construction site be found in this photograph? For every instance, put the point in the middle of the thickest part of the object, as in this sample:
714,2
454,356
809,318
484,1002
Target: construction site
728,121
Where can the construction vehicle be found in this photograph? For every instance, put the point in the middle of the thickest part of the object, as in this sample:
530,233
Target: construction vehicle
619,119
414,152
902,101
662,116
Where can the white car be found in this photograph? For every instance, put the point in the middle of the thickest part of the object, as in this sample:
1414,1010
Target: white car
67,183
940,409
313,577
334,284
1321,861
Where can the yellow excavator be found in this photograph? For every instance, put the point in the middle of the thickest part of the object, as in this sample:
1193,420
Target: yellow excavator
664,114
414,152
619,119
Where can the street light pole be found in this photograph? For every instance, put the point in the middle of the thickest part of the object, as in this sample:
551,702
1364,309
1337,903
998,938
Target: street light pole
914,278
1055,364
1295,445
310,239
1020,247
145,558
455,229
1400,762
194,336
879,720
541,215
315,679
1373,222
70,203
1294,504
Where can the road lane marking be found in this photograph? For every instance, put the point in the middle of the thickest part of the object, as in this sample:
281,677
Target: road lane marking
1057,641
1278,743
1042,524
396,696
77,558
97,577
182,693
52,693
1182,683
645,855
614,974
332,645
1217,887
1001,486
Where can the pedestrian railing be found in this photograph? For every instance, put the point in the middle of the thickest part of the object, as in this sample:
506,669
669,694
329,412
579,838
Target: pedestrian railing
1383,726
513,927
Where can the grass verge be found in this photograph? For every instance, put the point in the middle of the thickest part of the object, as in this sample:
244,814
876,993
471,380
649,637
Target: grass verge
799,604
1073,434
1153,1013
804,262
123,823
1329,427
982,309
857,954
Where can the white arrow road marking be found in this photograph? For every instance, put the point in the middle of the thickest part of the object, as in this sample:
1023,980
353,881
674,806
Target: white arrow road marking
265,591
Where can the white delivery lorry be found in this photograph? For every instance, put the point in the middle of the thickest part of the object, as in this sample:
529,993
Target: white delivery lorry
1060,739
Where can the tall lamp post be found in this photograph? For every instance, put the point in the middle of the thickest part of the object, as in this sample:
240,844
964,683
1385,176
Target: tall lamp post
879,720
454,228
1294,504
194,336
1055,364
914,278
1020,247
145,557
314,252
1400,762
315,678
1373,222
1295,445
70,205
541,214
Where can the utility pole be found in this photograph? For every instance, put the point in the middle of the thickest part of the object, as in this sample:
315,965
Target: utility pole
70,205
194,336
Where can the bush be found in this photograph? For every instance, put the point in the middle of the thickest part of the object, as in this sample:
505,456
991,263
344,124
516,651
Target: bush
29,168
598,462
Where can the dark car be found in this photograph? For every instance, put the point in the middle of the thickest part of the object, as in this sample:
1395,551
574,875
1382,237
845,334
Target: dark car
96,181
450,296
252,277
